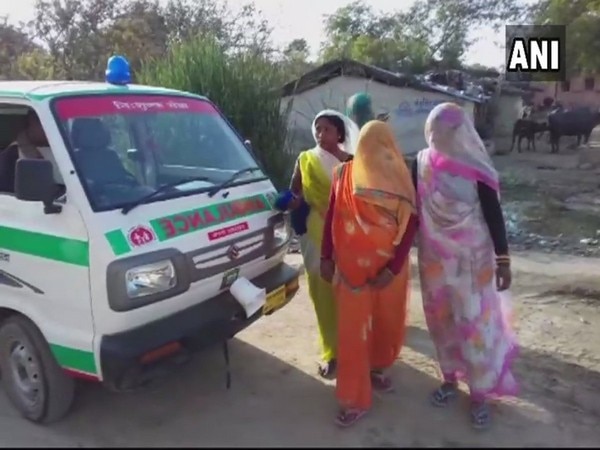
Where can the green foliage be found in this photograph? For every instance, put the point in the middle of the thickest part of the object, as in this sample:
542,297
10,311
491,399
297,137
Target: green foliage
243,85
295,59
430,32
73,38
76,37
582,18
35,65
14,42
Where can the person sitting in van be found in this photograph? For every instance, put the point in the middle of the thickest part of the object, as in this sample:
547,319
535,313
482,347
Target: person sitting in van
105,175
33,143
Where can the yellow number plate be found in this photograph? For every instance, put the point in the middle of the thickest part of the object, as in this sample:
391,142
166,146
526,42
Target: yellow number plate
275,299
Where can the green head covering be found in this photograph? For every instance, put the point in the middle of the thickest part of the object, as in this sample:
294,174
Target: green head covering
360,109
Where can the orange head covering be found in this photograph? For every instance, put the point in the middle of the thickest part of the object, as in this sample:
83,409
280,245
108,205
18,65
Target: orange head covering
380,175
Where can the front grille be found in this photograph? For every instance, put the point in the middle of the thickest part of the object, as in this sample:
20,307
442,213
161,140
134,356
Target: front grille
218,258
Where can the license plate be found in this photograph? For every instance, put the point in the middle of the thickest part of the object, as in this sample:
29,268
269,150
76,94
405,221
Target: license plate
275,299
229,278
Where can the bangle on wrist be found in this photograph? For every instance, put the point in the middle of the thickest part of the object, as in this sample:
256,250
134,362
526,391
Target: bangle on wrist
503,259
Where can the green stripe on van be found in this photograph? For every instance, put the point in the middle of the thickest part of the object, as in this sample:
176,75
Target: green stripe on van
118,242
72,358
70,251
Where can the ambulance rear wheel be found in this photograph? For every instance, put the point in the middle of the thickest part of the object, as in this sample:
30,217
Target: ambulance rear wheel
32,379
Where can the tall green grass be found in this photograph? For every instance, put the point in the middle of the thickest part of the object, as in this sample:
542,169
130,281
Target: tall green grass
244,85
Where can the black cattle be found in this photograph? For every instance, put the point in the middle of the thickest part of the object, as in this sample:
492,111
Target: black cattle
527,129
576,122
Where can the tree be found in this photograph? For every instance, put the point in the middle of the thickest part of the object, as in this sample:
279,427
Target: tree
80,35
297,49
139,32
350,23
446,23
241,83
248,31
35,65
190,18
582,19
73,32
14,42
431,30
295,59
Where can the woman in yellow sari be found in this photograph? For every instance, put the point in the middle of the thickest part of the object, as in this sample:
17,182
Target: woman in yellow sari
368,233
335,135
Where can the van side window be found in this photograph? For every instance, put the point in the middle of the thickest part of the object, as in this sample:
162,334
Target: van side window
10,124
21,136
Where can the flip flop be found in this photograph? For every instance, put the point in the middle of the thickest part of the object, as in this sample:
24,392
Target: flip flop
327,369
442,395
381,382
481,417
349,417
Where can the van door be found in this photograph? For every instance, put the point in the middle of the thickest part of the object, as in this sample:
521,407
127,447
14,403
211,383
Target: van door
44,258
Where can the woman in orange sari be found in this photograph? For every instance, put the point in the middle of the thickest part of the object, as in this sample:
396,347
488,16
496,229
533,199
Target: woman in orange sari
369,228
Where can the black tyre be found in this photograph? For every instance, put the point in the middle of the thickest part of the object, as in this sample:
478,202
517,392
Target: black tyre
32,379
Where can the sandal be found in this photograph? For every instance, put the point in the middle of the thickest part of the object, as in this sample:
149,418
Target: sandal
327,369
349,417
442,395
480,415
380,382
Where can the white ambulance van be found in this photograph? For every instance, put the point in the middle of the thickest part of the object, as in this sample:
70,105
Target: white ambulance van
119,243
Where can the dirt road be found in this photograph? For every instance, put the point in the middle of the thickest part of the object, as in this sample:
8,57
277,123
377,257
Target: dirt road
276,399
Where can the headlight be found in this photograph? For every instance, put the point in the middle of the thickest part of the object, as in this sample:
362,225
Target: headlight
282,231
150,279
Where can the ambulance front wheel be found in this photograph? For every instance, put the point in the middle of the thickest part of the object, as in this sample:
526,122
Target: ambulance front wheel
32,379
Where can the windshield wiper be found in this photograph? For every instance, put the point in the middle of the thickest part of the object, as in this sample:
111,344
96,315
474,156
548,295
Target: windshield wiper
127,208
231,179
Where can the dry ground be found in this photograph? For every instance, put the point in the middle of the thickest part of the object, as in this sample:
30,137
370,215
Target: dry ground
276,399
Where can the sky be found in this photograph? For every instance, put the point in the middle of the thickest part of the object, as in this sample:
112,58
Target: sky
293,19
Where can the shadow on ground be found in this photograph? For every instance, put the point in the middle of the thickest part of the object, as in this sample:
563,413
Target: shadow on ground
271,403
555,388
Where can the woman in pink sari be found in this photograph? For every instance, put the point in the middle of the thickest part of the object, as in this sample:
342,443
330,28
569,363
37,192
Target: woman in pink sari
464,262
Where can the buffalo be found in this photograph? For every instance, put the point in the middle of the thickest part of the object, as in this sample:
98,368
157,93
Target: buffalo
575,122
527,129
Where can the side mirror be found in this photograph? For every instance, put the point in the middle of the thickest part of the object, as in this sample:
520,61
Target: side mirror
34,182
248,144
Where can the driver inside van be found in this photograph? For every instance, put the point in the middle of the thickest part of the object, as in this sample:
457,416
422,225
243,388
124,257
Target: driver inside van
33,143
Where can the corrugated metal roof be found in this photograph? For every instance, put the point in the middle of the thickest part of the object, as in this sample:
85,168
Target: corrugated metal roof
348,67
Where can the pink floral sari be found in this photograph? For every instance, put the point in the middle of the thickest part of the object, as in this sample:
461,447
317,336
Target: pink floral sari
469,321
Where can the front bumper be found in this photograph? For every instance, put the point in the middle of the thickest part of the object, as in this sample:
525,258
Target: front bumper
208,323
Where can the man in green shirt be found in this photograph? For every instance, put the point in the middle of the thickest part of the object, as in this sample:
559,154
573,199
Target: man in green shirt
360,109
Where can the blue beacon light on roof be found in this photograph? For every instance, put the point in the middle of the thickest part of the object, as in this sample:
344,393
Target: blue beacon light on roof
118,71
